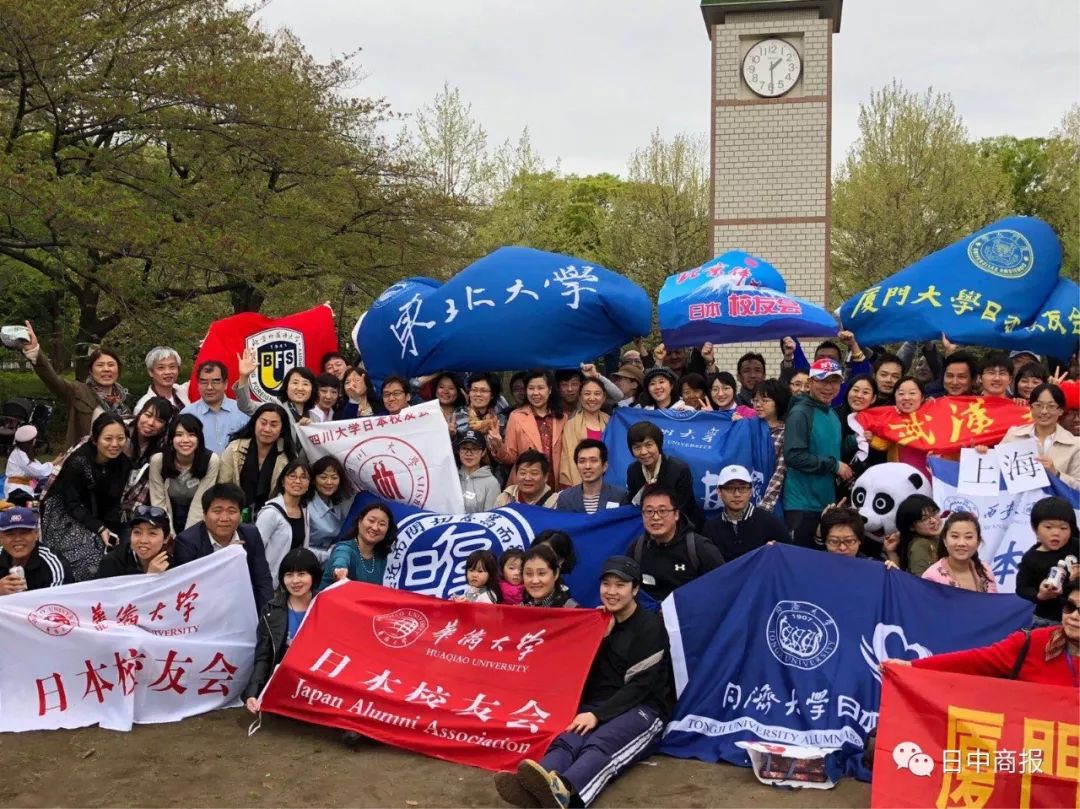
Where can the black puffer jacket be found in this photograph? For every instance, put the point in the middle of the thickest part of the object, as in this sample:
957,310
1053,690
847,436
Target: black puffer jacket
271,641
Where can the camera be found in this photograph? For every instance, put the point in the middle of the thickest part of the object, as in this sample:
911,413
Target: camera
15,337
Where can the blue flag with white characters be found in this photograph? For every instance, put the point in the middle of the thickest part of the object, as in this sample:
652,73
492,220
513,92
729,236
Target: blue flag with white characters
430,552
515,308
998,287
734,298
1004,519
704,440
783,645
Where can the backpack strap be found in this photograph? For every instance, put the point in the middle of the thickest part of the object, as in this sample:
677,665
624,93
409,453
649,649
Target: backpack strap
639,546
1021,656
692,550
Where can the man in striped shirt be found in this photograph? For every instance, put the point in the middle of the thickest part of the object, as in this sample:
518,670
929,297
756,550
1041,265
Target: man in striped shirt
24,564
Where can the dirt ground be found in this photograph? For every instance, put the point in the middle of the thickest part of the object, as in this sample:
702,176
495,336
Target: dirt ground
210,761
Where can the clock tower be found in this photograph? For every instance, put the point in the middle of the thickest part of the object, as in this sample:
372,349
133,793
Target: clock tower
771,134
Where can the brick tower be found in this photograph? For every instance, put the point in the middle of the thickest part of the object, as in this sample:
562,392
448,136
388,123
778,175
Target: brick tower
771,141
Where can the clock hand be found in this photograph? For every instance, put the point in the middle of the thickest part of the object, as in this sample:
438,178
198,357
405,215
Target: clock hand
772,66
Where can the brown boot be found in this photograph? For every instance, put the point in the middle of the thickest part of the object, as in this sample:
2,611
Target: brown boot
511,790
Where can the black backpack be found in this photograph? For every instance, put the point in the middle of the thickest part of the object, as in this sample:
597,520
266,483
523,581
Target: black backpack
691,549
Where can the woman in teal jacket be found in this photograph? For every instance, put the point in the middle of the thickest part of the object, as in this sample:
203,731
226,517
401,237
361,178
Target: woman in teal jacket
362,556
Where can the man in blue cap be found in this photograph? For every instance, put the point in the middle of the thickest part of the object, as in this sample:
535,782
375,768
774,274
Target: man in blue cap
627,699
24,564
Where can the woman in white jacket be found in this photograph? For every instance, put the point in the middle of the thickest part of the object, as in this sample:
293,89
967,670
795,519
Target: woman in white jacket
283,521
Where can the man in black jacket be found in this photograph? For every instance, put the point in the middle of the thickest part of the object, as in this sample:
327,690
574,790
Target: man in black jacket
654,468
220,528
34,566
741,528
669,552
627,699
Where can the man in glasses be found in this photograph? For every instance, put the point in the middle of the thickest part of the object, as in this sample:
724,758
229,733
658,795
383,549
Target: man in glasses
220,415
669,552
741,527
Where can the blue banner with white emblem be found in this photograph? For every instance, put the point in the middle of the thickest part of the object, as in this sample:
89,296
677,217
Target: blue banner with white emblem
430,552
793,656
515,308
734,298
706,441
998,287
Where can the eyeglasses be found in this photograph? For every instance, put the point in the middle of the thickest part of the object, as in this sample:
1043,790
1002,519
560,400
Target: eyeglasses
741,488
657,512
210,383
393,394
1045,407
298,476
475,389
846,542
1069,607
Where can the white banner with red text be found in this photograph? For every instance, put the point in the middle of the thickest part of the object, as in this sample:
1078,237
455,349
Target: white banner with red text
407,458
130,649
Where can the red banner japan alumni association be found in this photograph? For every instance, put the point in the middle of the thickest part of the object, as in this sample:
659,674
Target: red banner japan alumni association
471,683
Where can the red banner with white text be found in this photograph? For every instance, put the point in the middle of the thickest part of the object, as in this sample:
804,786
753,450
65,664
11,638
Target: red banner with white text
955,740
471,683
947,424
279,344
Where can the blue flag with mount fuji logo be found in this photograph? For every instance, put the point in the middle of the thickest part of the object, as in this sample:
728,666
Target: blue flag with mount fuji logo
783,644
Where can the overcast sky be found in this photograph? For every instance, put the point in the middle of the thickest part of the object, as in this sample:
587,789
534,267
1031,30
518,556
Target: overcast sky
592,78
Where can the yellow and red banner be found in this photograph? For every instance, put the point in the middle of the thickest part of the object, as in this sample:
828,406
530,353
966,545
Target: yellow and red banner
956,740
946,424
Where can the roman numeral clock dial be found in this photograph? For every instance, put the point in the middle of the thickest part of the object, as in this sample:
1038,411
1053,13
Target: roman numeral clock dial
771,67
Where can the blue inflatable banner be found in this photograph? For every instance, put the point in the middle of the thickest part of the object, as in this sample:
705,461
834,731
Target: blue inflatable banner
707,441
998,287
792,657
515,308
735,298
431,549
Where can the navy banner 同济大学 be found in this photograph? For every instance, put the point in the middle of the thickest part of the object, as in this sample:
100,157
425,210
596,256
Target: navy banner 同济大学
793,655
998,287
707,441
735,298
1004,520
515,308
431,549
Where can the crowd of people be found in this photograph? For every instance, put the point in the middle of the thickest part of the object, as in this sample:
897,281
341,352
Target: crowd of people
144,489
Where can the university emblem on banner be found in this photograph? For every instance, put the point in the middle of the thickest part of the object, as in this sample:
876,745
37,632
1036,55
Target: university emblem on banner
390,467
399,628
54,619
1004,253
277,351
431,549
801,635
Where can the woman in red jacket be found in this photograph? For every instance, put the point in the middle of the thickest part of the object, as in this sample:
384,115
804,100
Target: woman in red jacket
1052,656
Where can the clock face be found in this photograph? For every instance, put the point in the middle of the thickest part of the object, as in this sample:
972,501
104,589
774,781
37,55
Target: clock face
771,67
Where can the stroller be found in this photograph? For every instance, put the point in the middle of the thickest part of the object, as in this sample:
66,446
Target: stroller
16,412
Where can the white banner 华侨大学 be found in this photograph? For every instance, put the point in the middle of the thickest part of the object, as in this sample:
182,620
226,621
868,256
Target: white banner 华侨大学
131,649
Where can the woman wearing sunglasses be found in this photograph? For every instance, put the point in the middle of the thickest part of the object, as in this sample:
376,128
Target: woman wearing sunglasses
148,549
1049,655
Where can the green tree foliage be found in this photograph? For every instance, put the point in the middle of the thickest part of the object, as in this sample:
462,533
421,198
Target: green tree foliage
911,184
163,158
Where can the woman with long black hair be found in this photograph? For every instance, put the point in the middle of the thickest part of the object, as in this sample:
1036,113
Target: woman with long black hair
182,472
257,454
81,515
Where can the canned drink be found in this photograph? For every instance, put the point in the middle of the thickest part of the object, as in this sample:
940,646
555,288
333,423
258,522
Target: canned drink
17,570
1056,577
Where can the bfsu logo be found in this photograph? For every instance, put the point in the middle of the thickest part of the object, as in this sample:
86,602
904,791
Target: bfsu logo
801,635
277,351
400,628
53,619
391,467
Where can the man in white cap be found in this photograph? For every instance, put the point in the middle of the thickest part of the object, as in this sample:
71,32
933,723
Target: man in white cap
741,527
22,471
24,564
